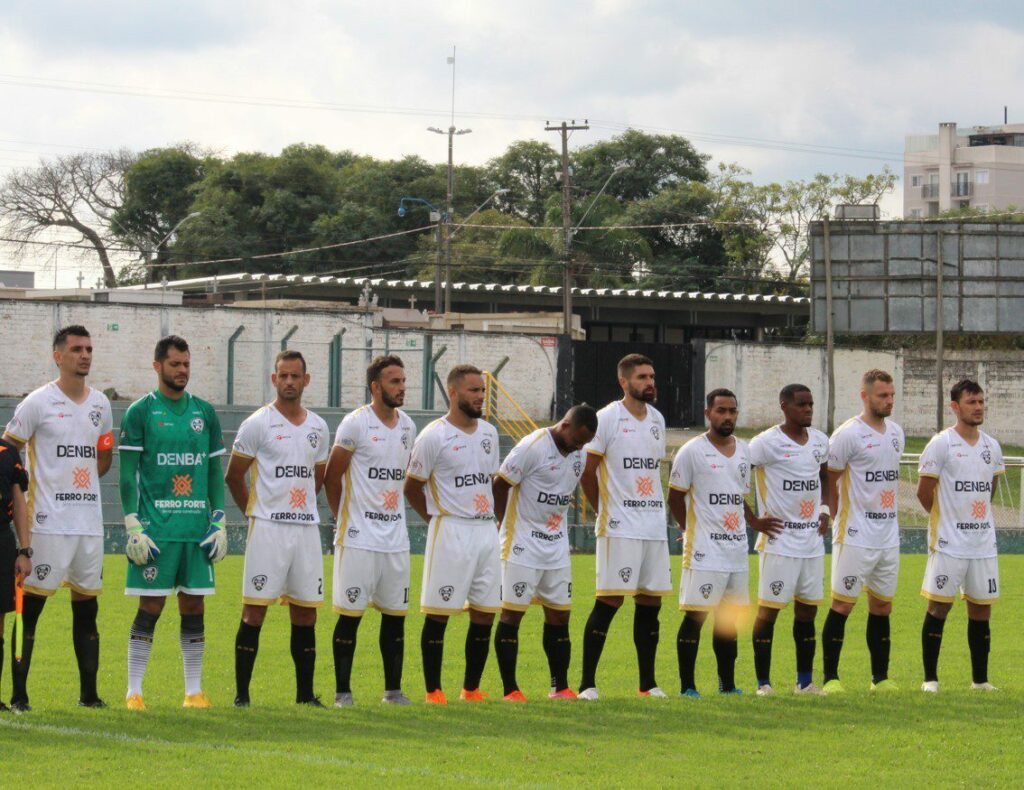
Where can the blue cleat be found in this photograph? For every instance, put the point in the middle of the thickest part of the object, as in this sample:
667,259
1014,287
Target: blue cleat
691,693
734,690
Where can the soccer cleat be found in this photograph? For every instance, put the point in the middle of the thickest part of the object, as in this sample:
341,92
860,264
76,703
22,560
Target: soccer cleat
930,686
690,693
241,702
19,706
515,696
3,707
765,691
653,693
590,694
986,686
395,697
810,690
884,687
473,695
436,697
312,702
344,699
733,691
92,703
567,694
134,702
833,687
199,700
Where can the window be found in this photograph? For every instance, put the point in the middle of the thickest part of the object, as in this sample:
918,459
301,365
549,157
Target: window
915,212
981,176
916,181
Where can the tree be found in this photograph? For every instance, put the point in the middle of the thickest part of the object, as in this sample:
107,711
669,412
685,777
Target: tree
79,192
529,170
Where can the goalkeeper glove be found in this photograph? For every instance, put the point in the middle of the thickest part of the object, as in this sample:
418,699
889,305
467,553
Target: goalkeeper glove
216,539
140,548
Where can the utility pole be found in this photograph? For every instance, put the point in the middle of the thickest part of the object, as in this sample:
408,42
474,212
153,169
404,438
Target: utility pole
563,129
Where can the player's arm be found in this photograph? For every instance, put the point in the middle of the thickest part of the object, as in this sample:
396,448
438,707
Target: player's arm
588,480
334,474
238,468
319,470
769,525
825,519
105,444
677,506
929,468
831,497
15,472
500,487
926,492
416,496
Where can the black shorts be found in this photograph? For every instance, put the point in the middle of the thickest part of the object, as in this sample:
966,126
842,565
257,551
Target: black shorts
8,554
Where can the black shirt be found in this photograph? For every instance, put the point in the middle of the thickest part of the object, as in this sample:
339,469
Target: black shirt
12,473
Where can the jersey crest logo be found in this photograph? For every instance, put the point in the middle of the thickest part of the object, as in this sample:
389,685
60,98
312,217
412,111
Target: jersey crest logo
80,477
405,441
986,456
486,445
979,508
698,556
645,486
181,485
624,574
297,498
446,592
259,582
94,417
149,573
554,522
198,424
819,457
519,588
940,581
806,508
732,521
577,467
517,550
888,499
482,504
848,582
313,439
743,469
776,587
352,593
705,590
41,518
943,543
895,444
42,571
352,532
390,500
656,433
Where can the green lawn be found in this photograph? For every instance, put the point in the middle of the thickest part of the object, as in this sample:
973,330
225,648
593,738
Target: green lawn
957,738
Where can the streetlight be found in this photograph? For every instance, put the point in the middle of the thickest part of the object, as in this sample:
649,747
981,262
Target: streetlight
435,216
170,233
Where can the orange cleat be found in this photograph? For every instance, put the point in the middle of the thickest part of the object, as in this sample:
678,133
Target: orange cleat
473,695
515,696
562,694
436,697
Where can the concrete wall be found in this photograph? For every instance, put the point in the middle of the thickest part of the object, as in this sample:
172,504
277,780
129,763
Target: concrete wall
757,371
124,336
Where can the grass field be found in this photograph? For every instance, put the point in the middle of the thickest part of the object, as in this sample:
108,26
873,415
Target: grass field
956,738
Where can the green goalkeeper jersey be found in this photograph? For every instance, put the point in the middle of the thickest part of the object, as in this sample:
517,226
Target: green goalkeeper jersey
176,440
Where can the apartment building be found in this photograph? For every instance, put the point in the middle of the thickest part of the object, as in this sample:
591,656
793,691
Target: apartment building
981,168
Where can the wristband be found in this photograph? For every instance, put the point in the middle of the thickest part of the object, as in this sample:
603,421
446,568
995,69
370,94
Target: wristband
825,509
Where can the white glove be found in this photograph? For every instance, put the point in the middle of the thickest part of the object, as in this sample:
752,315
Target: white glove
140,548
216,539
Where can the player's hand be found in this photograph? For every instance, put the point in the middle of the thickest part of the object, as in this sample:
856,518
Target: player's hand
22,567
824,520
216,539
140,548
769,525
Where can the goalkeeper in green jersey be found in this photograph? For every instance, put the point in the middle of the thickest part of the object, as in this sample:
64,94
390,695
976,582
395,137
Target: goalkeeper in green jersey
172,495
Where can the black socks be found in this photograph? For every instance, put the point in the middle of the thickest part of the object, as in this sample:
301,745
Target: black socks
978,638
478,643
506,649
86,640
645,637
832,635
392,649
558,648
344,651
247,643
687,643
878,646
432,647
303,646
594,634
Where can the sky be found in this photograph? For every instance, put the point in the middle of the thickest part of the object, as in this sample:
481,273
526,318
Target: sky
785,89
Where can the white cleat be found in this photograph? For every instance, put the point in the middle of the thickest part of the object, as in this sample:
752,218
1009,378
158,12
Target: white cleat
930,686
590,694
810,690
986,686
343,699
765,691
654,693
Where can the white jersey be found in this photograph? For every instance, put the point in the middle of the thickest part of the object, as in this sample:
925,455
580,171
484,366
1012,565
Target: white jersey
371,515
715,538
62,443
869,487
632,501
457,467
961,523
534,531
282,476
788,486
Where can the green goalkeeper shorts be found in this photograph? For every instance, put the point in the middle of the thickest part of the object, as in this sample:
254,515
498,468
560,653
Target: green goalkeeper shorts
184,567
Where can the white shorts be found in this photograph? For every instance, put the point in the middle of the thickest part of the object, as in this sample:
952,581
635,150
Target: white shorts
784,579
74,561
630,566
462,567
702,591
874,570
370,578
283,562
521,586
977,580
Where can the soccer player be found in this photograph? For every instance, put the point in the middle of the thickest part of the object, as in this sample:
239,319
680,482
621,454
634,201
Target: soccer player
67,429
283,449
791,469
364,482
958,473
449,484
863,486
15,559
172,495
532,493
708,485
622,482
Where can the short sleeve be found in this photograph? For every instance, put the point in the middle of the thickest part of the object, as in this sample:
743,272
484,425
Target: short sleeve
998,466
347,436
323,447
248,439
107,420
933,457
839,450
599,444
494,458
25,420
516,465
759,451
133,428
424,454
681,476
745,471
216,436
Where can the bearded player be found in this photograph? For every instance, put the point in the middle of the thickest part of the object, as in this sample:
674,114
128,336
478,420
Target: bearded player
622,482
371,546
67,430
449,485
532,493
283,449
172,495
